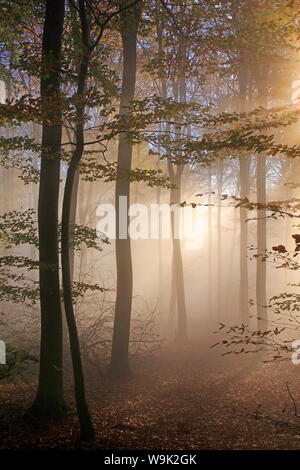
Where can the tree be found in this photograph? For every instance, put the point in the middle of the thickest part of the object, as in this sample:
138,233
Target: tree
50,399
119,365
69,209
175,171
87,431
244,163
261,76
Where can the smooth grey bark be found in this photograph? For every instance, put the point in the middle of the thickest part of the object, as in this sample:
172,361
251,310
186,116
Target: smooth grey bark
177,273
159,261
172,301
244,170
244,163
209,250
164,93
261,265
119,365
175,199
261,76
231,287
220,171
177,262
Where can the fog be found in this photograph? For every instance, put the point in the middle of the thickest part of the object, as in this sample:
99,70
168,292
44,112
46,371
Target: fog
149,227
210,252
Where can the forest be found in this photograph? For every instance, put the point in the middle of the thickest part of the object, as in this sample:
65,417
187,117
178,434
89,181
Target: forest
149,225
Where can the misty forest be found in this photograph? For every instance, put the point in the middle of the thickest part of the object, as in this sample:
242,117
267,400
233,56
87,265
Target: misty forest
149,224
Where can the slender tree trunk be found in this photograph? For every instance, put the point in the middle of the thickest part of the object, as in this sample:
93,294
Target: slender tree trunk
119,365
175,199
73,208
68,209
177,264
244,163
209,251
261,270
231,293
72,222
172,301
177,274
160,265
219,234
244,193
261,265
50,399
87,432
83,205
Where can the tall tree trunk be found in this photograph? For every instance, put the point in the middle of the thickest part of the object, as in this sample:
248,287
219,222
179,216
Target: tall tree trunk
50,399
175,199
72,221
261,265
177,263
119,365
244,193
68,210
209,251
84,207
219,235
177,281
244,163
231,294
33,186
160,265
172,301
73,208
164,94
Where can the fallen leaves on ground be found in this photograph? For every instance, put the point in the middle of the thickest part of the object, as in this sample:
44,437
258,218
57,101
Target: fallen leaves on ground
178,399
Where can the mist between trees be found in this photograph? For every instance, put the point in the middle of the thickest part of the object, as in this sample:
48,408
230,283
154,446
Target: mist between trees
150,187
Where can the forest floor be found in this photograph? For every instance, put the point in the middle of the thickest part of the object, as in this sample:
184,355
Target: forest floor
178,399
